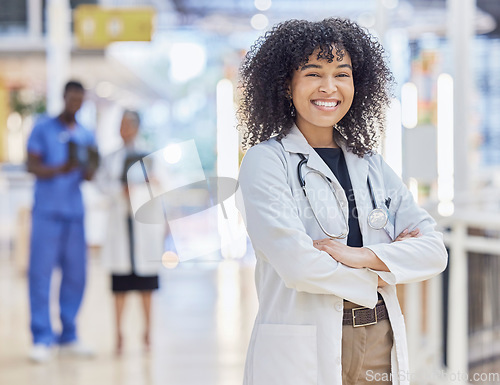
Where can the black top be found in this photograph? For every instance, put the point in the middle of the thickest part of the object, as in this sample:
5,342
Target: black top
130,159
334,158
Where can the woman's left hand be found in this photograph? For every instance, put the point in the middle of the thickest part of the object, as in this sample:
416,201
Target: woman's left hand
356,257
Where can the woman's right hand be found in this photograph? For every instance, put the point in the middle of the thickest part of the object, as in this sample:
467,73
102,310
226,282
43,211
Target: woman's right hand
405,234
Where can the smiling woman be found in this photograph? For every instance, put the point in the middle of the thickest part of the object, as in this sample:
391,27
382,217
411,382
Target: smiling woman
328,309
322,93
276,57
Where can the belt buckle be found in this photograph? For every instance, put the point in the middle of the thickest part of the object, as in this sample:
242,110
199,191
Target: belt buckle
363,308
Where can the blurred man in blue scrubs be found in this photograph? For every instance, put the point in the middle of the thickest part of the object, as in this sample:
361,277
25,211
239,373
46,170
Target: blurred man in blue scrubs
58,155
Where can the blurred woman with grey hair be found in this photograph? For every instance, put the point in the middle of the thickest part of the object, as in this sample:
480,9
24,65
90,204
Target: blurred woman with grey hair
132,249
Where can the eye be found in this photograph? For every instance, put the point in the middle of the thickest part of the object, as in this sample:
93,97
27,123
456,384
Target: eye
312,75
343,75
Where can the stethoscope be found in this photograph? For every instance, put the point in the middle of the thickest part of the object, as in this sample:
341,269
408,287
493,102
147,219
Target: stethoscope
377,218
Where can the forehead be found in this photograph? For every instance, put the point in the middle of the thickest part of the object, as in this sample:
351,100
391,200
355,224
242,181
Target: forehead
318,57
127,119
328,52
74,92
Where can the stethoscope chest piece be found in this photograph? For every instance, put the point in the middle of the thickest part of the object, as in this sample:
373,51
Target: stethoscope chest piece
378,218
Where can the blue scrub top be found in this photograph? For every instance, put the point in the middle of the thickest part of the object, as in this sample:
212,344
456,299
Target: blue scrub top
61,194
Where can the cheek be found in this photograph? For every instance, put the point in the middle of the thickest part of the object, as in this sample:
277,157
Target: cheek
349,97
299,96
74,105
349,103
297,91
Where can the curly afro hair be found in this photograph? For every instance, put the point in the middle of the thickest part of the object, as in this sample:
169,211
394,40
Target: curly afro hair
267,69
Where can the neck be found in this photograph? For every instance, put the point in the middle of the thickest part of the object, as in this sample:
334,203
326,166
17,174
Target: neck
319,138
67,119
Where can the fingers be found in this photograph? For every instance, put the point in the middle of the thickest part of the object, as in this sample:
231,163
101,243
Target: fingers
323,245
414,234
406,234
402,236
331,246
329,251
319,242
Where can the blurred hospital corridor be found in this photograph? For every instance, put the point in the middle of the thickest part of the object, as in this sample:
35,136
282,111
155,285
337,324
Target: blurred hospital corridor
140,105
202,319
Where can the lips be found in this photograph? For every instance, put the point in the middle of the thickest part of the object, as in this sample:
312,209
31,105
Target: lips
329,104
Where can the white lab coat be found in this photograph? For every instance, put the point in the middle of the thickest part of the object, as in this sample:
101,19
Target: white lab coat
148,238
297,334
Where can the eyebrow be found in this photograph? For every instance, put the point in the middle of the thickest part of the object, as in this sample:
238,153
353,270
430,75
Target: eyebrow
307,66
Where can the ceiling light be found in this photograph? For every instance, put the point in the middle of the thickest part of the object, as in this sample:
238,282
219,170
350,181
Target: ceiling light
172,153
187,60
262,5
391,4
259,21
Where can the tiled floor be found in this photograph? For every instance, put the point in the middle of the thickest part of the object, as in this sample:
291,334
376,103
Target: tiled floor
203,314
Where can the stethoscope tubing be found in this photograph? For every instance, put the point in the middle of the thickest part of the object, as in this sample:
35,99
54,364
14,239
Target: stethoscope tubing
302,182
377,218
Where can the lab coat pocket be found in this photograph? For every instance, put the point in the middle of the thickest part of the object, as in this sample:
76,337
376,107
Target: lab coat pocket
285,354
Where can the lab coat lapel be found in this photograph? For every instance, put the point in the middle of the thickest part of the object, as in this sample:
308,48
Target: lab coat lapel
295,142
358,173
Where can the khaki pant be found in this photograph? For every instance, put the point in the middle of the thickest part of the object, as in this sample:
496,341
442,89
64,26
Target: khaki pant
366,353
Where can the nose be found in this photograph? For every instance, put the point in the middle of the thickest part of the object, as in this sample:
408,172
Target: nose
328,85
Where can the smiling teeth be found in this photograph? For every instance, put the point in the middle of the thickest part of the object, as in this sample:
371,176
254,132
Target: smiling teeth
326,104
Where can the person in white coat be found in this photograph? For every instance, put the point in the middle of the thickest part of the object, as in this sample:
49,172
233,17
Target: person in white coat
132,250
324,211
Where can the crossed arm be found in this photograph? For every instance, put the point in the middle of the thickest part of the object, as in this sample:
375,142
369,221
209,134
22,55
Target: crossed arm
359,257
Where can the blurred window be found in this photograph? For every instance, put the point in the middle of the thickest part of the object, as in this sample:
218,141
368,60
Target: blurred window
13,16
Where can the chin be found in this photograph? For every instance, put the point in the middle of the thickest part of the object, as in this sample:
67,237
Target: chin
327,125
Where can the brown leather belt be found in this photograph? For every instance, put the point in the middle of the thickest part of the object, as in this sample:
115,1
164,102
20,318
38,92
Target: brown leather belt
364,316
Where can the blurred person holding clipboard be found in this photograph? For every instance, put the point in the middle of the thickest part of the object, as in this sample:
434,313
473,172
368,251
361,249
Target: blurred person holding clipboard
61,154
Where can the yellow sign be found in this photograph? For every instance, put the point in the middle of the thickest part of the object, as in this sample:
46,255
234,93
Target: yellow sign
96,27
